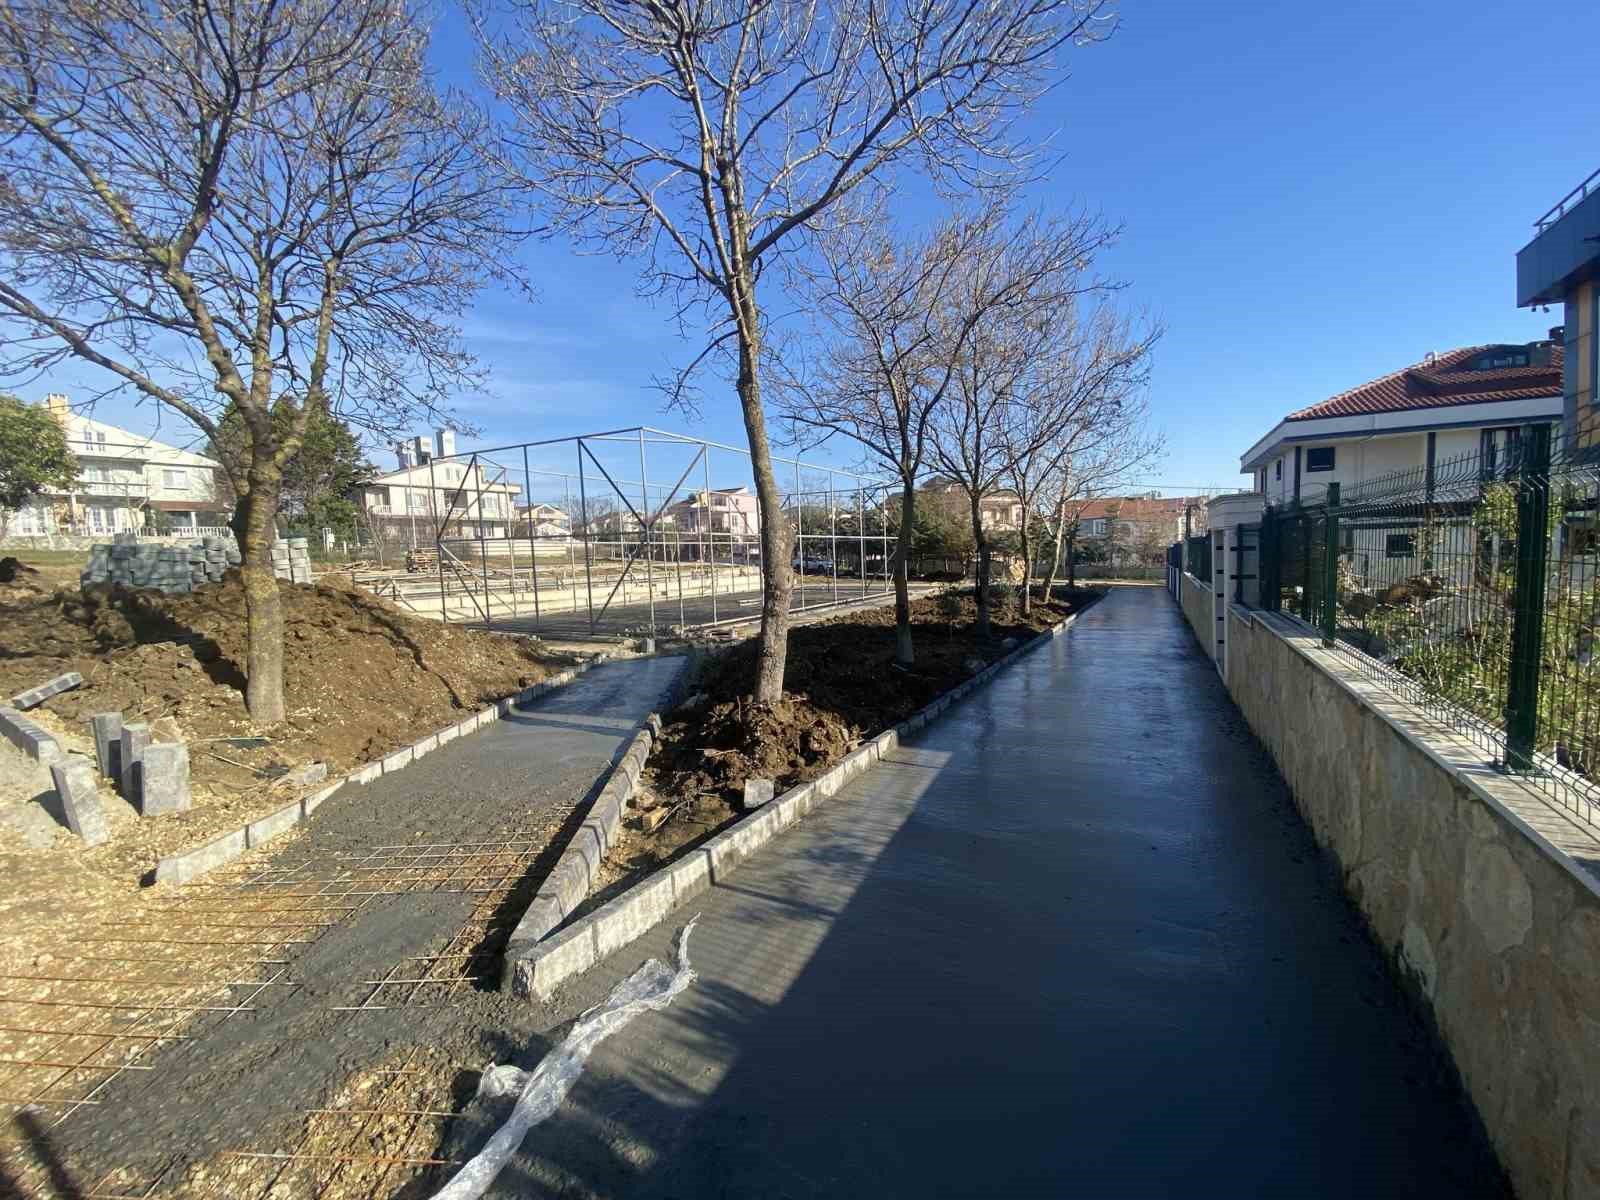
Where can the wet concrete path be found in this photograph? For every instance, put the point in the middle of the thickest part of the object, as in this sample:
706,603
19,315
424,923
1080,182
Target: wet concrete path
519,768
1072,941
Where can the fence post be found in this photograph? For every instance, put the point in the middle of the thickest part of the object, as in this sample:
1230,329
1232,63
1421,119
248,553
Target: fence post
1527,622
1330,567
1267,567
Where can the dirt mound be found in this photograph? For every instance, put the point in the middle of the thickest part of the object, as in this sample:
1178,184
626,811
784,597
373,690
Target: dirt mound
841,686
360,677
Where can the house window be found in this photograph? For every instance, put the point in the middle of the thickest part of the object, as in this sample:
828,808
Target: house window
414,501
1277,470
1582,539
1400,545
1319,458
175,478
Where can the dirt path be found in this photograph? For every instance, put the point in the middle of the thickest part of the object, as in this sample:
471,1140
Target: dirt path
247,1045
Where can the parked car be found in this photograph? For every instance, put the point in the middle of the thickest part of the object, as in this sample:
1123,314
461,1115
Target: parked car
813,564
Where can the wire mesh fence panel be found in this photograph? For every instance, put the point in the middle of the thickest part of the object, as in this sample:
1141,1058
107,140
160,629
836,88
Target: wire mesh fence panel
1200,558
1472,585
621,533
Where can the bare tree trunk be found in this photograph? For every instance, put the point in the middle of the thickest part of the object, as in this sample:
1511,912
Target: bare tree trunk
1027,564
903,653
253,523
777,579
1055,556
1072,564
981,544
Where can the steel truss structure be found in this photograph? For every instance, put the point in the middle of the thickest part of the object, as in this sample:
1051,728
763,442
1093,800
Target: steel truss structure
628,532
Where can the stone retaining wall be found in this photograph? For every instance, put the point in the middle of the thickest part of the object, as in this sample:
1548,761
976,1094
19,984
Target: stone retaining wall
1195,599
1478,888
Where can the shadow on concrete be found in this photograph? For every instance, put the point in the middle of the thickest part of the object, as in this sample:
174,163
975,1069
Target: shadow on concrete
1094,952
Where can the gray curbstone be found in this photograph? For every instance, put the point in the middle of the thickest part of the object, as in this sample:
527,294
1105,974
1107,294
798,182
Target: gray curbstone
396,761
758,792
133,741
261,831
180,868
32,739
164,779
311,803
107,730
569,882
367,773
74,777
36,696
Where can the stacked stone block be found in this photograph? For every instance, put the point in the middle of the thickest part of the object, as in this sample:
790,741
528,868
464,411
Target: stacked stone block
166,568
291,560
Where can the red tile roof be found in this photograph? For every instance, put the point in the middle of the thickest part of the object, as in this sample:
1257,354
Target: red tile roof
1137,508
1434,383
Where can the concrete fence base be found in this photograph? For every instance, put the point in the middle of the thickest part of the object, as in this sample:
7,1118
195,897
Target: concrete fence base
1480,889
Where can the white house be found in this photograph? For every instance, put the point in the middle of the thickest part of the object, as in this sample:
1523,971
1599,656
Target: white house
435,493
1461,403
543,521
126,481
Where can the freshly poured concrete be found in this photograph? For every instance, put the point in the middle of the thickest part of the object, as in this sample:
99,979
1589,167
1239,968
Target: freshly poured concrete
1073,940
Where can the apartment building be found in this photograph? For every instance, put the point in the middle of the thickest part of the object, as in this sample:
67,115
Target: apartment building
433,493
127,482
1561,266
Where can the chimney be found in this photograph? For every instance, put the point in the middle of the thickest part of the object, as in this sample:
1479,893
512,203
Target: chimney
56,402
1558,334
444,443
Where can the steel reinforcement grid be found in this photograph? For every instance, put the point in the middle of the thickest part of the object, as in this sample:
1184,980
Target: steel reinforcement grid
1471,586
621,533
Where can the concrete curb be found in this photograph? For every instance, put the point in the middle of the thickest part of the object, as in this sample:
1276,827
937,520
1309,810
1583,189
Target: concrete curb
540,969
572,878
29,737
188,864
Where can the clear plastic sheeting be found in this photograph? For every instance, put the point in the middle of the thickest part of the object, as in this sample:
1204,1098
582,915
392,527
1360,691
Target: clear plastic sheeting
542,1089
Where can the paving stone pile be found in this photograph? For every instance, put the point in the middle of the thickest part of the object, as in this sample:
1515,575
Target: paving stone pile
166,568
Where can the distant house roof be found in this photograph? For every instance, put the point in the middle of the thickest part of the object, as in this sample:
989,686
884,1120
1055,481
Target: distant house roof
1137,508
1495,384
1464,376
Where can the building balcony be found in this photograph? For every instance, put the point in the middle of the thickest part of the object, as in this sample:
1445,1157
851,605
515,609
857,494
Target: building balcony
1566,250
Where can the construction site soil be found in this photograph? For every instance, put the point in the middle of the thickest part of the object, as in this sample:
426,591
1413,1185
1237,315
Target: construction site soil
263,1101
841,686
361,679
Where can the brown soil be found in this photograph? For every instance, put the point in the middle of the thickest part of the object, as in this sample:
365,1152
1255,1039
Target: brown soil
841,686
361,679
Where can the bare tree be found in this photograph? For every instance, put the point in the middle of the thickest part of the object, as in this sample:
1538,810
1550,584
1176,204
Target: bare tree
890,319
1081,400
1097,464
710,137
1004,402
258,209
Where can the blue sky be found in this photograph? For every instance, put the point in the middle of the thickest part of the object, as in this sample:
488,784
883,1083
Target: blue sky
1313,195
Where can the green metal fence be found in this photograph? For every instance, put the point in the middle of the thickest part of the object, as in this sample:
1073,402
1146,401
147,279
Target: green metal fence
1473,586
1200,558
